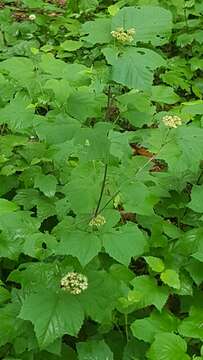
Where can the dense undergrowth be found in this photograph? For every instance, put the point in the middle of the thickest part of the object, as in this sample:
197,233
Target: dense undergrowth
101,180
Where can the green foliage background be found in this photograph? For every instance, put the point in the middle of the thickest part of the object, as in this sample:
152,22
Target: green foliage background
81,135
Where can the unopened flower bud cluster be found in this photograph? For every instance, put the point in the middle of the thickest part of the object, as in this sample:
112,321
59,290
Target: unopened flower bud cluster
172,121
74,283
125,36
98,221
32,17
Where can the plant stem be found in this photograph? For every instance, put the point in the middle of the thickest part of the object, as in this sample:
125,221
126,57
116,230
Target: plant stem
126,327
102,190
106,166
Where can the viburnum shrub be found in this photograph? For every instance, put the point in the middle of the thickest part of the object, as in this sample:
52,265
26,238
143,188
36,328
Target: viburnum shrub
101,180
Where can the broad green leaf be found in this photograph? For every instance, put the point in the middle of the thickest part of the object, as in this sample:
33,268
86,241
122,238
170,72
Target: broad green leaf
196,203
20,68
155,263
87,5
7,206
164,94
151,293
198,252
138,198
60,88
75,73
135,350
191,326
97,143
83,245
99,31
10,324
125,243
90,104
134,68
14,227
46,184
171,278
151,24
39,245
18,115
57,131
53,315
4,295
136,107
71,45
146,329
193,107
195,269
167,346
101,296
83,188
37,275
94,350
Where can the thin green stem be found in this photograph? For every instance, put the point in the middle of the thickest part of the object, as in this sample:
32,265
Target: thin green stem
126,327
102,190
106,166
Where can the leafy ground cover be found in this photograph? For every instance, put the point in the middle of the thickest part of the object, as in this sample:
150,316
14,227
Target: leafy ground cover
101,180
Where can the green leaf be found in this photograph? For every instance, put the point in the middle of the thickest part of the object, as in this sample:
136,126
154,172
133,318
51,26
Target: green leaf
192,325
155,263
151,24
7,206
164,94
10,324
99,31
168,346
53,315
138,198
171,278
75,73
71,45
61,89
91,104
193,107
20,68
46,184
125,243
195,269
101,296
150,292
4,295
18,115
83,245
134,68
146,329
136,107
88,5
94,350
196,203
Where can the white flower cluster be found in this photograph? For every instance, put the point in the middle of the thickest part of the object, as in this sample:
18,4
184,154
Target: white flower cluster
172,121
98,221
74,283
124,35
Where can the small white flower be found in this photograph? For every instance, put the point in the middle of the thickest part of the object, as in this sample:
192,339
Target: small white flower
172,121
32,17
74,283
